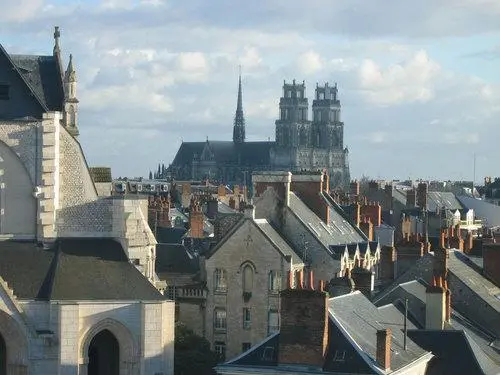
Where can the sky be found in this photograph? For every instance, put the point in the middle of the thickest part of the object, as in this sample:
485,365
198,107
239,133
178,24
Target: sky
419,82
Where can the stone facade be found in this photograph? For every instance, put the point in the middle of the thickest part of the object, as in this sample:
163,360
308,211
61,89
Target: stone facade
51,337
246,247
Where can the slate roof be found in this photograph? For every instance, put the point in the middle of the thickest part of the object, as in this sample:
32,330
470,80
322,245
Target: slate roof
172,235
483,210
340,231
456,352
226,152
73,269
338,250
439,199
174,258
278,241
44,78
358,317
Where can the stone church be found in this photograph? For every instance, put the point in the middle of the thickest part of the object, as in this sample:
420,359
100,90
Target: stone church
301,143
78,290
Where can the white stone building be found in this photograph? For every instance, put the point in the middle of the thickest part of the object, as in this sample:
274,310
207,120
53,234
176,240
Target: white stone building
77,279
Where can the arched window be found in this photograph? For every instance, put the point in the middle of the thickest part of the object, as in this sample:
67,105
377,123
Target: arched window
274,281
220,280
247,279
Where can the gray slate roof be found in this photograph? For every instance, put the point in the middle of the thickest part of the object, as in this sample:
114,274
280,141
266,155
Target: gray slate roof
439,199
174,258
277,240
73,269
43,76
355,314
339,231
483,210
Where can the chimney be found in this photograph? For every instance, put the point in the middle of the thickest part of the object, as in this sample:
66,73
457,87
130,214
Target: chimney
278,181
304,326
232,203
236,191
196,220
491,262
326,181
387,262
186,194
384,338
356,213
367,227
373,211
468,243
435,306
410,198
440,263
388,197
221,191
354,188
421,198
309,186
212,208
372,187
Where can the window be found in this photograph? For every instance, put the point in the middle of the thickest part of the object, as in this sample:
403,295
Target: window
220,280
245,346
220,319
247,320
247,279
4,91
289,93
274,281
273,322
339,356
220,350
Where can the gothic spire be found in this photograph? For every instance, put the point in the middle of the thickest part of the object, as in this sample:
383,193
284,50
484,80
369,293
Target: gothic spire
57,35
239,119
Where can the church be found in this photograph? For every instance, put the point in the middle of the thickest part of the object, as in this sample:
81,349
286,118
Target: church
79,293
301,143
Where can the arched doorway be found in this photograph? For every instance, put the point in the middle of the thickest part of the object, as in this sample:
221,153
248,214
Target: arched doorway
3,356
104,354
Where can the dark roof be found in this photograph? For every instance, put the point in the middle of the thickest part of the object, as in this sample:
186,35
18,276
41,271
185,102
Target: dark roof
338,250
174,258
247,153
73,269
43,77
436,200
456,353
173,235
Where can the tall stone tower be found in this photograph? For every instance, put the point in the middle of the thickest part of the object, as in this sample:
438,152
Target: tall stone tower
302,144
70,101
239,119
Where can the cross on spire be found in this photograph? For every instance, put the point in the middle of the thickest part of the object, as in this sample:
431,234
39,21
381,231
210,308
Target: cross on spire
57,35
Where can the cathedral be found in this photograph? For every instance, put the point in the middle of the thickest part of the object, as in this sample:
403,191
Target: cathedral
301,143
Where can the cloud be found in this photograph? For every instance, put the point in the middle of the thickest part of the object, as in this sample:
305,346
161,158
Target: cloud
19,10
398,83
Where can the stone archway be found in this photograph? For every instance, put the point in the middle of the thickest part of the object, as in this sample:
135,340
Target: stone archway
13,346
128,350
3,356
104,354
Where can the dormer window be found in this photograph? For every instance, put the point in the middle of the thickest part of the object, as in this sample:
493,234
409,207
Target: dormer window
4,91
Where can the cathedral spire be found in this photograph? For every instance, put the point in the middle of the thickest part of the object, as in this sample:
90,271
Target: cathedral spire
57,35
239,119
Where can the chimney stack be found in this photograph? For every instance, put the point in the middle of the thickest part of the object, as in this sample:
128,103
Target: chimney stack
354,188
279,181
304,325
384,341
196,220
435,305
367,227
421,198
410,198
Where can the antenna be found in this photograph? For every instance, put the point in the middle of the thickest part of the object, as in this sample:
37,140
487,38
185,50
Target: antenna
474,175
405,329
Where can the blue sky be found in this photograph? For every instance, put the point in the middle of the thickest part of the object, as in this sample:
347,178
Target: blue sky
419,82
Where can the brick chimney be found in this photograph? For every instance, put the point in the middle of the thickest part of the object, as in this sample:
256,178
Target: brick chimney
354,188
356,213
196,220
221,191
411,199
387,262
421,198
372,210
491,262
468,243
186,194
236,191
232,203
308,187
435,305
388,200
384,340
367,227
303,336
279,181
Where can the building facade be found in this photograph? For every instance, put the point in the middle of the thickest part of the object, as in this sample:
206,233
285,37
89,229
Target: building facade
301,143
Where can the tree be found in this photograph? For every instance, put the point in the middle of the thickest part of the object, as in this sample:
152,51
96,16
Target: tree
193,355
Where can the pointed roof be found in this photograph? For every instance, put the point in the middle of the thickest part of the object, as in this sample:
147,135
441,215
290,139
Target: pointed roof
239,119
70,75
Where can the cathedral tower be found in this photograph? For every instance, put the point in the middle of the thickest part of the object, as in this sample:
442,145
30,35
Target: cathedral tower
293,128
70,100
239,119
328,130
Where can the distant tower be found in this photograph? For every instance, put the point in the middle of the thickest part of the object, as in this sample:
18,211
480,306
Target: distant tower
328,130
70,100
293,127
239,119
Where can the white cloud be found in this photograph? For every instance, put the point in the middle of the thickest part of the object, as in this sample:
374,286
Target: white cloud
309,63
19,10
399,83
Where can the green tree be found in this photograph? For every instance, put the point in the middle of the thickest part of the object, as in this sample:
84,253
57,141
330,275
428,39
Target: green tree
193,355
